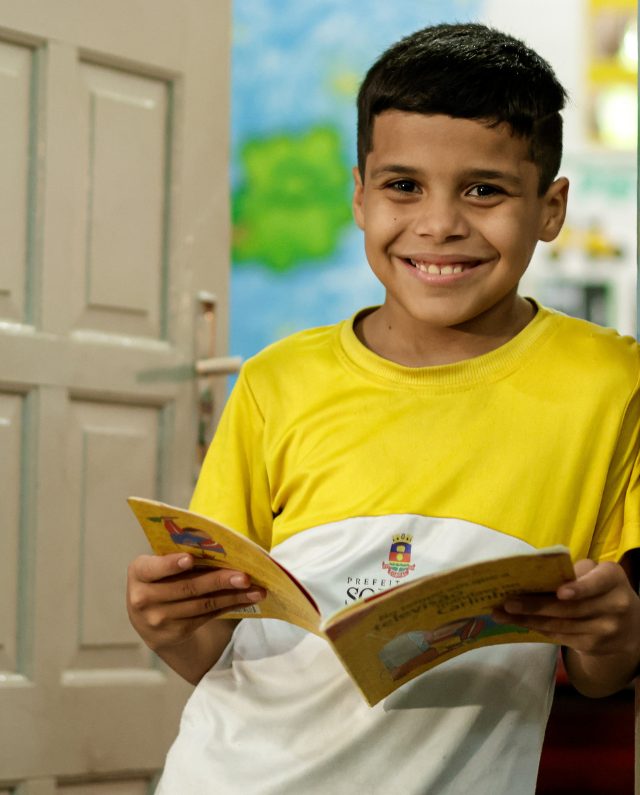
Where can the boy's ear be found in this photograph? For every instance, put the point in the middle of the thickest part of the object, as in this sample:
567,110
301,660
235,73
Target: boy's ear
555,209
358,197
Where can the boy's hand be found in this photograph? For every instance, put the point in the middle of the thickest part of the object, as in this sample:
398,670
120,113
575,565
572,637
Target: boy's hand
596,617
597,613
168,599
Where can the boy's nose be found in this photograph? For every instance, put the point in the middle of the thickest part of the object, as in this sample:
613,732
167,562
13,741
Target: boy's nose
440,219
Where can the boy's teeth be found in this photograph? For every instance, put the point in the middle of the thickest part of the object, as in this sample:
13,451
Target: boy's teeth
442,270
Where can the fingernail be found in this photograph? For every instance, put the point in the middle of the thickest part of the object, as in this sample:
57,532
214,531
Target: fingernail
513,607
566,593
184,562
254,596
238,580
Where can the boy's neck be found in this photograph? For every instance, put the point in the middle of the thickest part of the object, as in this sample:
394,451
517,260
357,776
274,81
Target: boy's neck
420,344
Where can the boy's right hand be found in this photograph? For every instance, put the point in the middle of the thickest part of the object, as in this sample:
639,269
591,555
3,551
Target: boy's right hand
168,599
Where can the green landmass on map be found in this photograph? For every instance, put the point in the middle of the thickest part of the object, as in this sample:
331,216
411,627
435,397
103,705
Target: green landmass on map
294,199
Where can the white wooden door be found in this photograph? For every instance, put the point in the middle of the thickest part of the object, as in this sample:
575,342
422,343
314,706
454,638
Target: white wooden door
113,216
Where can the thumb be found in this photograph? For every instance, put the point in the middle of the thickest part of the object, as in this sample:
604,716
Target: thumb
570,590
590,580
583,567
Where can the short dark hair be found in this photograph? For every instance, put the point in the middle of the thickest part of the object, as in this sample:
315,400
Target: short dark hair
468,71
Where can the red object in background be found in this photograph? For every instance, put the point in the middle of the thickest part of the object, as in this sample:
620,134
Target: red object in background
589,744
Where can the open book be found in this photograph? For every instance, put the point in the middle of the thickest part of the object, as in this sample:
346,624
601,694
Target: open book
385,639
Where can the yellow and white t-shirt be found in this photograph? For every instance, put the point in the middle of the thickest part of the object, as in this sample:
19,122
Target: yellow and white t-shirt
325,452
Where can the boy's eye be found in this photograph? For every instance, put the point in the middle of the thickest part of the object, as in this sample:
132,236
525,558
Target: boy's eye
404,186
484,191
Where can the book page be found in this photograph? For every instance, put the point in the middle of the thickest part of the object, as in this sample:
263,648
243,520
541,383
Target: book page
170,529
389,638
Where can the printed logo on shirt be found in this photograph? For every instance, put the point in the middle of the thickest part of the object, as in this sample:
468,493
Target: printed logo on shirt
361,587
399,562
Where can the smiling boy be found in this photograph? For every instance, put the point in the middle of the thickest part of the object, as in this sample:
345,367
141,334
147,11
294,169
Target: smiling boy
451,213
460,417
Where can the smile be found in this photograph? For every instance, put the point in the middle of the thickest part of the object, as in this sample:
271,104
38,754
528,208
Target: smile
441,269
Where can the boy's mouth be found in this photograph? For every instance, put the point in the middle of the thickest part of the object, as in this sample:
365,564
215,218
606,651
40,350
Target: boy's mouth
441,268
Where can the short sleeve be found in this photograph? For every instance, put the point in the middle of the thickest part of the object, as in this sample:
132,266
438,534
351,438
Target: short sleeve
618,528
233,486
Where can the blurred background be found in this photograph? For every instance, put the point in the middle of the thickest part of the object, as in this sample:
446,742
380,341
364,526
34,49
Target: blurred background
297,259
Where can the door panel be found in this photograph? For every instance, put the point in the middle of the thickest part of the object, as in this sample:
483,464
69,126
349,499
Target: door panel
11,427
123,441
16,68
124,142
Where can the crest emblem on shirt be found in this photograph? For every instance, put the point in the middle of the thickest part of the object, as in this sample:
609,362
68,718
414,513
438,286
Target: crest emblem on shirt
399,563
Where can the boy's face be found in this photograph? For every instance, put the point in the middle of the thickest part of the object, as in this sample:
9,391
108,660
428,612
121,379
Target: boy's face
451,216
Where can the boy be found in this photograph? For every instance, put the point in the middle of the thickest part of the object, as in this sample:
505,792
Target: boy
457,413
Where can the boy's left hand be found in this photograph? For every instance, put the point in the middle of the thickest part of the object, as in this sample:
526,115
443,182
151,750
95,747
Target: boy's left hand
597,614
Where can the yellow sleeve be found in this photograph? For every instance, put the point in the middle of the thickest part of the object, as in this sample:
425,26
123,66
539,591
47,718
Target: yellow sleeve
618,527
233,486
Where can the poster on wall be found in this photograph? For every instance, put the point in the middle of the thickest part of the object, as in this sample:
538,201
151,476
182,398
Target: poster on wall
298,259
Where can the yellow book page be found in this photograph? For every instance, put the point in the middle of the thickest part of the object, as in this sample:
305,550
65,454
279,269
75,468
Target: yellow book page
390,638
170,529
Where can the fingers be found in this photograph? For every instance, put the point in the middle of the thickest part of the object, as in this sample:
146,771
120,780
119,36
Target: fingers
593,580
177,578
222,587
150,568
168,599
194,584
597,588
206,607
592,614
